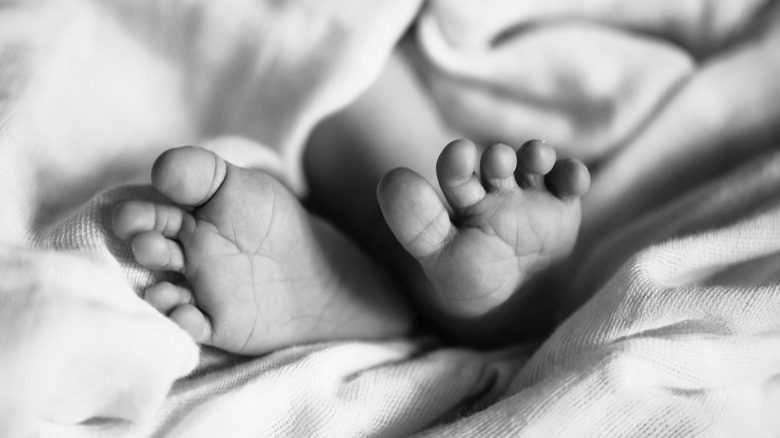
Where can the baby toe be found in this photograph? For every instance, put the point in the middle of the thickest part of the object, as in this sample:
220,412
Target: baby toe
568,178
536,157
188,175
455,171
166,296
414,212
192,321
152,250
133,217
498,167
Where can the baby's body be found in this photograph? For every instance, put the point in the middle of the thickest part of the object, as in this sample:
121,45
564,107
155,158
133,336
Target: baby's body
262,273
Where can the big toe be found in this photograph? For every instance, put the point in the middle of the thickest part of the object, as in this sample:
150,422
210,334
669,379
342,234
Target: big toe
188,175
414,212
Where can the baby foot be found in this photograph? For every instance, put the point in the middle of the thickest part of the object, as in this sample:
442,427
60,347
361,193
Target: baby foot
260,272
520,216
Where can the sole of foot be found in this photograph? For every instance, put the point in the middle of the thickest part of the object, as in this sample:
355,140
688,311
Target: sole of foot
508,214
260,272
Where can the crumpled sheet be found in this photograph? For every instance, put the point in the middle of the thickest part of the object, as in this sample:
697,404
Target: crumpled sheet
663,95
682,341
681,338
586,76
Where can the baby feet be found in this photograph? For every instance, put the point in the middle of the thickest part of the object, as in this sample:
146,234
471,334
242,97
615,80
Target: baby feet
261,273
517,218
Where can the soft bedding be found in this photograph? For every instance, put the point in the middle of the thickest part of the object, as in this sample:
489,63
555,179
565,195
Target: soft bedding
678,334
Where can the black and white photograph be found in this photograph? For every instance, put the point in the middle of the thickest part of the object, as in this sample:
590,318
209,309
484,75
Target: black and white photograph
389,218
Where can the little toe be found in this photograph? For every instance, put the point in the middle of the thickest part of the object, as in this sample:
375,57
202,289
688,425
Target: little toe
414,212
455,171
569,178
154,251
133,217
192,321
188,175
498,167
165,296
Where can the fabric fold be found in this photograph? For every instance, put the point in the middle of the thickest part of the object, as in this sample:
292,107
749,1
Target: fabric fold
78,344
677,343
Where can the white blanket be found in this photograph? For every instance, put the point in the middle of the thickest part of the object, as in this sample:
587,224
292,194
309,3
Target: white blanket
680,340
